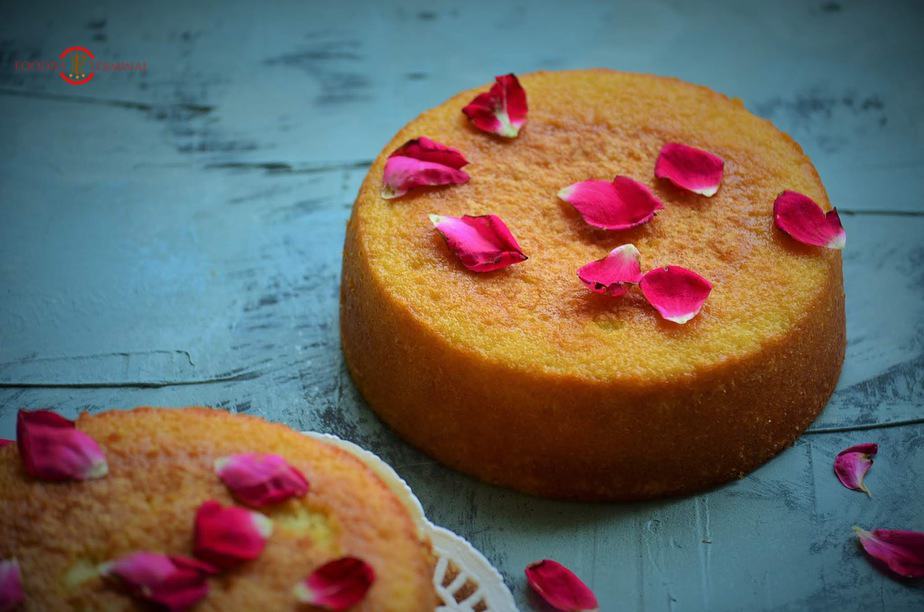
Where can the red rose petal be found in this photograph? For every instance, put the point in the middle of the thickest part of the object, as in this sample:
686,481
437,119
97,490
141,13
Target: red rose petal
852,464
802,218
422,162
52,448
5,442
261,480
619,205
11,593
501,110
174,582
482,244
901,551
336,585
559,587
613,274
228,536
690,168
675,292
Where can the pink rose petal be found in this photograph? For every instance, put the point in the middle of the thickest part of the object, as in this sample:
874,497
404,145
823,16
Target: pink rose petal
424,149
901,551
675,292
336,585
690,168
173,582
803,219
619,205
559,587
852,464
11,593
5,442
228,536
261,480
422,162
482,244
501,110
613,274
52,448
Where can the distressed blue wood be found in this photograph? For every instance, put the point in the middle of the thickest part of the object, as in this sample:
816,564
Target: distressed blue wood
174,238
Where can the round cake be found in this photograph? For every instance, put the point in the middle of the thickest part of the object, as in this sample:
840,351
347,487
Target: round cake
161,470
524,378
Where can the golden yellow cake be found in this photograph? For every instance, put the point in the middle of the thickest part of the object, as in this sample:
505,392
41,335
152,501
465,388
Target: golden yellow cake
522,377
160,469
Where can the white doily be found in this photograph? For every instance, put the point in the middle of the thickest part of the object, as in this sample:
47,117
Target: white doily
465,581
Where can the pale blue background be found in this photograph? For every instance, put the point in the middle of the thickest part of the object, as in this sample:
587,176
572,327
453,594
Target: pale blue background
174,238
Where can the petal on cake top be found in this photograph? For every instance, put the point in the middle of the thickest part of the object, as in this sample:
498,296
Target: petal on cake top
226,536
422,162
482,243
560,587
500,110
11,593
690,168
902,552
622,204
52,448
675,292
852,464
173,582
803,219
427,150
336,585
261,480
613,274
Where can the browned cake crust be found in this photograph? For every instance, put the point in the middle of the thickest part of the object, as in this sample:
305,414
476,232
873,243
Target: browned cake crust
525,379
160,471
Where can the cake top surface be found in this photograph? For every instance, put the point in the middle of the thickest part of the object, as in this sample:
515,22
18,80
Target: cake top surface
597,124
161,470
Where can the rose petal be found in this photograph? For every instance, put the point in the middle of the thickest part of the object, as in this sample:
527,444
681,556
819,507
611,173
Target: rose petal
559,587
52,448
11,593
802,218
482,244
675,292
619,205
613,274
405,173
901,551
336,585
852,464
261,480
690,168
427,150
177,583
501,110
5,442
228,536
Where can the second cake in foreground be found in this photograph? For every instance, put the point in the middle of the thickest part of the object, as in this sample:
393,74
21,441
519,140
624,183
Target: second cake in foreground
197,507
524,378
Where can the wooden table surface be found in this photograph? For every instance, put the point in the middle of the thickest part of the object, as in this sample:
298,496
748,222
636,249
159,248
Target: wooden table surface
174,237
